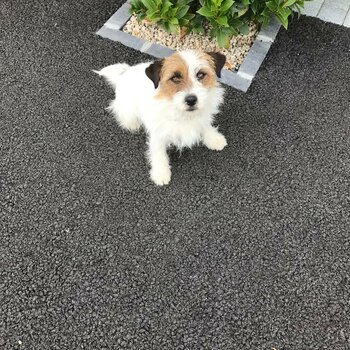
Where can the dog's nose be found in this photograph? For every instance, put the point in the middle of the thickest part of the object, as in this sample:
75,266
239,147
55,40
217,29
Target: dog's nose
191,100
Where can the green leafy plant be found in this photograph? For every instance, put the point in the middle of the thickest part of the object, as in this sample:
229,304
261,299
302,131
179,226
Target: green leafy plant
262,11
169,15
223,18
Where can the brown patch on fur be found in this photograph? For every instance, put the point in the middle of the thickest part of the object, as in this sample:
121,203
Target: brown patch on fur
219,61
204,56
209,80
173,64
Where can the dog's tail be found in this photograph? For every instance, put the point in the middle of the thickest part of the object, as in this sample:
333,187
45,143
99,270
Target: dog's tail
111,73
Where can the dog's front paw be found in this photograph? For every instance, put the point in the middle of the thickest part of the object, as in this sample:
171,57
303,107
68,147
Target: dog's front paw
161,175
215,141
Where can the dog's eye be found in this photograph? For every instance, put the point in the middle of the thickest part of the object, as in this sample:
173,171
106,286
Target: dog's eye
176,78
201,75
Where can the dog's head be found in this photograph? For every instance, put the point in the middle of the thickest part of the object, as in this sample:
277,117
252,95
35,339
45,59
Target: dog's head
186,78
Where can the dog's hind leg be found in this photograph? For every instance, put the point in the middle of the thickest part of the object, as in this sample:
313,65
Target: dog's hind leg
126,118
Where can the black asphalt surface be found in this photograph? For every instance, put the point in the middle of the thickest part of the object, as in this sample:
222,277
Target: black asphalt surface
246,249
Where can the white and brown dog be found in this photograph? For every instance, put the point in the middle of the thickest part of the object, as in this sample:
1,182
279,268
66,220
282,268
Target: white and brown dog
174,99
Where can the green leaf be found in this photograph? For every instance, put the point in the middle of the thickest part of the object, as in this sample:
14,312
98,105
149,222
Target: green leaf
242,12
150,4
282,20
173,20
152,14
223,39
140,16
198,30
236,23
271,6
190,16
213,33
254,7
289,3
181,11
196,24
226,5
298,9
153,17
217,3
286,13
166,7
173,28
171,13
222,21
244,29
183,22
136,6
204,11
183,2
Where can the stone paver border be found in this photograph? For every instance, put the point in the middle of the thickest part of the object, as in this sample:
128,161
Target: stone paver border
240,79
334,11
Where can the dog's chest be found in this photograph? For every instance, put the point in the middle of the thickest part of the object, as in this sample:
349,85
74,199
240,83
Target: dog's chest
184,133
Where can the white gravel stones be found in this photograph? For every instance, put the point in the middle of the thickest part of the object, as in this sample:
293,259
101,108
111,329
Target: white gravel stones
235,55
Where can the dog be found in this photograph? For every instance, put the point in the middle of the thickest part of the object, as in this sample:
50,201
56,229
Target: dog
174,99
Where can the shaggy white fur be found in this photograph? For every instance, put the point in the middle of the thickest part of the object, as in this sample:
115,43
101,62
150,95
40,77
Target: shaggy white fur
167,121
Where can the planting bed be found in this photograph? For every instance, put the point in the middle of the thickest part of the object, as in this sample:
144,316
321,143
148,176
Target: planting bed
245,56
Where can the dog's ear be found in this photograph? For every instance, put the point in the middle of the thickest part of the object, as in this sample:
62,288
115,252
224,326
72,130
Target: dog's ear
219,60
153,72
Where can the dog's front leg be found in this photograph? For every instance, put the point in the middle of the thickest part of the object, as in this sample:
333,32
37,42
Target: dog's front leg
160,168
213,139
